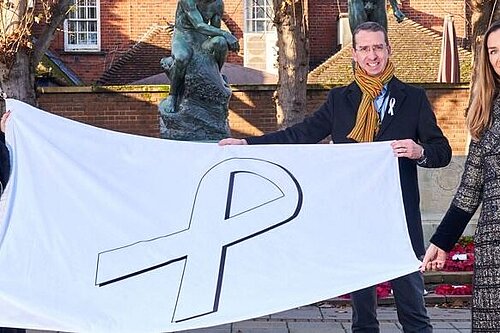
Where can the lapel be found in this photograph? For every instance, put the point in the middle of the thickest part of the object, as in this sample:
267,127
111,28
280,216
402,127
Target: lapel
396,90
354,98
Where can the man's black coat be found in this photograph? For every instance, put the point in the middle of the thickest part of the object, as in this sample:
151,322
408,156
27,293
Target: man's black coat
412,118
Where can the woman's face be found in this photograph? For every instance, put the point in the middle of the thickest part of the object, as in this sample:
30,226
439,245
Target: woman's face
493,45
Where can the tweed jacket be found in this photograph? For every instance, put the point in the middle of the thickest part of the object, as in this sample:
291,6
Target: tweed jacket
412,118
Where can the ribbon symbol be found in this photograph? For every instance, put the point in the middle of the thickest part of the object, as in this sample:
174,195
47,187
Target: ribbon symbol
392,102
221,217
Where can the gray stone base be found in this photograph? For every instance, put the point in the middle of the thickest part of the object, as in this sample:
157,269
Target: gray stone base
437,188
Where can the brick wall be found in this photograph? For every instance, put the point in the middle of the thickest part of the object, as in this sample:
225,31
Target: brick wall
116,108
124,22
449,106
324,14
234,20
133,109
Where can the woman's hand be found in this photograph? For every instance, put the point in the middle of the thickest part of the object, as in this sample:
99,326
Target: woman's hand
434,259
3,121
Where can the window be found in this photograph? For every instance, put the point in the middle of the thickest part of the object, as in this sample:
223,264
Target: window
260,51
82,31
259,14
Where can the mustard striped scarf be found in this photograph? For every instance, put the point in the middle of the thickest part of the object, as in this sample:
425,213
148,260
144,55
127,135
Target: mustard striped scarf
367,118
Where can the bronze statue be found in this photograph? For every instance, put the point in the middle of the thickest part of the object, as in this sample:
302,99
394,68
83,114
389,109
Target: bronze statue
197,29
371,10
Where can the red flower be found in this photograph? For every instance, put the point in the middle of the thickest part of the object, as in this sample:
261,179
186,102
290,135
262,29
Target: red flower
461,249
448,289
383,290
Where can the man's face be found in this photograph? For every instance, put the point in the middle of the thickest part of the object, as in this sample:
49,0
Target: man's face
371,52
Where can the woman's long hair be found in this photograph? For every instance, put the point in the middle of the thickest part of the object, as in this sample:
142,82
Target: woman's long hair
485,88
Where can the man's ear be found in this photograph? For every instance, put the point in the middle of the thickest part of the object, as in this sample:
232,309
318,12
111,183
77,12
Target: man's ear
353,54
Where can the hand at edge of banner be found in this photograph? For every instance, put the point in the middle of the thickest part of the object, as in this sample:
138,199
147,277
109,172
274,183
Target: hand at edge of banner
3,121
434,259
232,142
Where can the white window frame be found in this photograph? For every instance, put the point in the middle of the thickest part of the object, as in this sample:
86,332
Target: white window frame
259,25
256,14
78,18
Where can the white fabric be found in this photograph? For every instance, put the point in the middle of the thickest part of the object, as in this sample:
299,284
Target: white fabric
110,232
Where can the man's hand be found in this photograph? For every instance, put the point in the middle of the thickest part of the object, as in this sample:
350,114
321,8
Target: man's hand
407,148
434,259
3,121
232,142
232,42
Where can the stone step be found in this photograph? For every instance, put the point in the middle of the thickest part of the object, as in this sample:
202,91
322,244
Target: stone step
430,300
456,278
431,279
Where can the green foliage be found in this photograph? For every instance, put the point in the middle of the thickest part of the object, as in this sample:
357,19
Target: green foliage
466,240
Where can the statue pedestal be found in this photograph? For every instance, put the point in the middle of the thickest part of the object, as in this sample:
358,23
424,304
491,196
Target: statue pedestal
203,106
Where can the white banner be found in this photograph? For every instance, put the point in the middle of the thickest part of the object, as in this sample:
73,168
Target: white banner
110,232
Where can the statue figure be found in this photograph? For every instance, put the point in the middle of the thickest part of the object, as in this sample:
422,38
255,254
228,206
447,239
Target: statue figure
199,94
371,10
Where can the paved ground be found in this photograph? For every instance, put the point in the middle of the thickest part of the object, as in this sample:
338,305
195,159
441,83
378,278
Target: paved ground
335,319
334,316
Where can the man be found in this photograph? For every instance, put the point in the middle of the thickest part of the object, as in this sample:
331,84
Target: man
379,107
197,29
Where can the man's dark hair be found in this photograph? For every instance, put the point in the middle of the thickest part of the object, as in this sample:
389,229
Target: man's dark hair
369,26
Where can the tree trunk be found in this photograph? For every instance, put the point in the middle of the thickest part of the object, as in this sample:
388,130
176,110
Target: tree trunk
293,60
19,81
21,53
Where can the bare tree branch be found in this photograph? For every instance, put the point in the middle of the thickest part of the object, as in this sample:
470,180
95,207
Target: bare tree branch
58,13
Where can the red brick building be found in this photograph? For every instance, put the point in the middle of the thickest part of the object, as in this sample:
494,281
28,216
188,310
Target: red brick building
102,40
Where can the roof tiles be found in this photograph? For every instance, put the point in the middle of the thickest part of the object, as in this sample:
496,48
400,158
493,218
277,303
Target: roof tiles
415,53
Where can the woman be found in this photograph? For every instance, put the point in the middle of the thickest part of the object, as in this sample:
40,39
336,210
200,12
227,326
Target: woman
480,182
